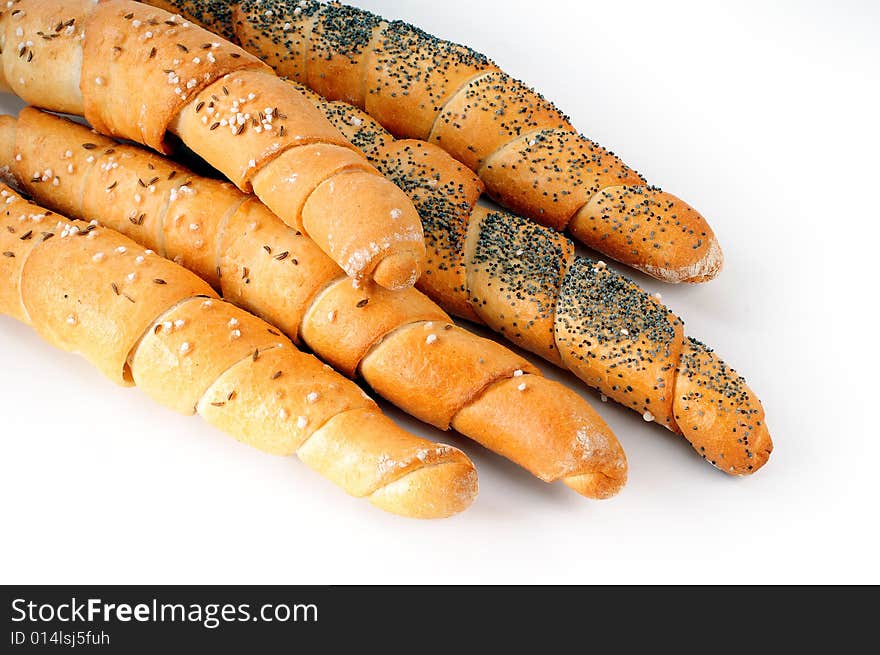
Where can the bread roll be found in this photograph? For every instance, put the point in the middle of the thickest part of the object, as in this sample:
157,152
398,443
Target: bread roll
139,73
525,150
143,320
402,344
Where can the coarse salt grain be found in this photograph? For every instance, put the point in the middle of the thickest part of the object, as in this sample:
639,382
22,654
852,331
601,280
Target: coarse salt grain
431,338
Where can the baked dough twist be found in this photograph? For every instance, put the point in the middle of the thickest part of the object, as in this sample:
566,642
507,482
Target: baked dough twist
138,72
143,320
525,281
530,157
402,344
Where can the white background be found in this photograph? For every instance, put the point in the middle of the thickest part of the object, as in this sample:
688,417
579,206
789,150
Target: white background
765,119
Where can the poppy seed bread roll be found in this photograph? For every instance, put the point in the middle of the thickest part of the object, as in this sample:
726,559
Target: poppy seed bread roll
525,281
524,149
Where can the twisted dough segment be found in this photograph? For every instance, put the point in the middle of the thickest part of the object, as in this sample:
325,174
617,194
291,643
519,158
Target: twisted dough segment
402,343
525,281
143,320
138,72
524,149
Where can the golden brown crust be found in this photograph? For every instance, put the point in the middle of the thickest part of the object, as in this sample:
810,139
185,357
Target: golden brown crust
214,16
421,480
293,176
285,53
525,150
409,83
349,54
41,52
513,279
228,125
619,340
23,226
335,429
560,179
244,400
271,269
454,364
551,174
362,130
194,220
345,321
127,288
199,339
397,496
444,193
51,157
718,413
525,282
334,74
293,156
487,113
120,194
139,72
133,47
197,351
138,193
683,246
388,227
434,371
529,438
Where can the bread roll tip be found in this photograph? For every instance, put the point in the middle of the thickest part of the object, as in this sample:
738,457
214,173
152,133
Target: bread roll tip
430,492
